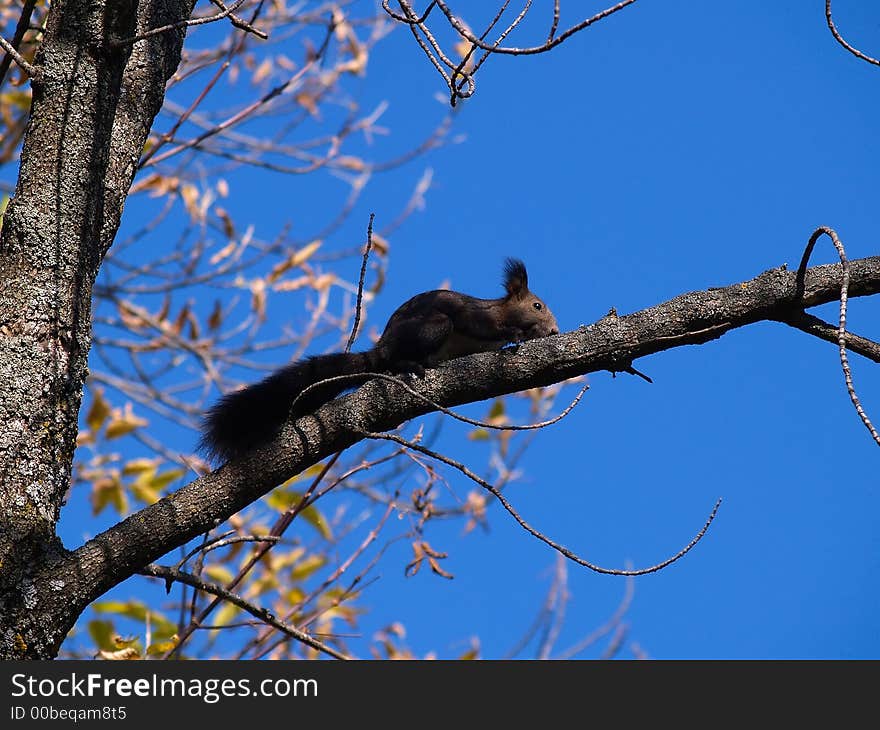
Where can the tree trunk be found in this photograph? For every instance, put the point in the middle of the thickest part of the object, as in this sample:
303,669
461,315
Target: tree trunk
92,108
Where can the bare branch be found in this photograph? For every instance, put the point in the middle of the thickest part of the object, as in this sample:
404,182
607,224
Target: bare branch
224,12
360,292
605,628
562,550
840,39
812,325
168,136
459,73
378,405
11,52
841,331
175,575
21,28
278,529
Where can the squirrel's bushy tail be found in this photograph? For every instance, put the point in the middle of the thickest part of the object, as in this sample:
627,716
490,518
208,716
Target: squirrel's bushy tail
247,418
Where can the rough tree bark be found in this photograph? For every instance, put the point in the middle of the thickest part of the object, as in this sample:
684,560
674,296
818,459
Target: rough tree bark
93,105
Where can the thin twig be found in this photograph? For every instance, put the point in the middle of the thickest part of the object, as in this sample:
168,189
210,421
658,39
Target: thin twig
27,67
225,12
277,530
555,26
442,409
223,541
175,575
241,114
560,596
360,292
616,642
839,38
812,325
841,330
561,38
227,62
607,627
531,530
239,23
24,21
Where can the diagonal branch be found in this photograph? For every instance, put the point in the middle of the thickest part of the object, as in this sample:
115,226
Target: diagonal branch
174,574
561,549
812,325
11,49
612,344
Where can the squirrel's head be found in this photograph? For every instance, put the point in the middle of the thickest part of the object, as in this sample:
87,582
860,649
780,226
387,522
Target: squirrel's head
524,310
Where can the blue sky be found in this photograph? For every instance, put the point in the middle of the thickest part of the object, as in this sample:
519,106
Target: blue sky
672,147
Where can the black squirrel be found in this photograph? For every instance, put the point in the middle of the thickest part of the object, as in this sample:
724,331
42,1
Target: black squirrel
426,330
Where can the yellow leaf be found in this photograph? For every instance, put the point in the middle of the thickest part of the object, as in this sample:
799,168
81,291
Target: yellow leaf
143,493
228,225
479,434
127,654
292,284
380,244
19,99
263,71
108,491
308,102
497,409
216,317
130,316
295,596
160,481
262,585
347,162
182,317
138,466
258,298
219,574
124,642
159,624
223,253
297,258
306,567
123,422
463,48
98,411
157,184
190,195
225,614
162,647
102,633
323,282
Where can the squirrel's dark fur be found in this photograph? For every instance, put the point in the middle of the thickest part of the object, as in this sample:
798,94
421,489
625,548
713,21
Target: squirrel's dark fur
424,331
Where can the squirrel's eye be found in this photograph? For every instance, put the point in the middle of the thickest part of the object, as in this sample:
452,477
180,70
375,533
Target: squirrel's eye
537,305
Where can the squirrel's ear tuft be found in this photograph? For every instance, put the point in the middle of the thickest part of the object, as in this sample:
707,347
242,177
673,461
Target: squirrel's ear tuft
516,280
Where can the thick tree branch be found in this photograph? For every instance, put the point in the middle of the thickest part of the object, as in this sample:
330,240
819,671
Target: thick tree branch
612,344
